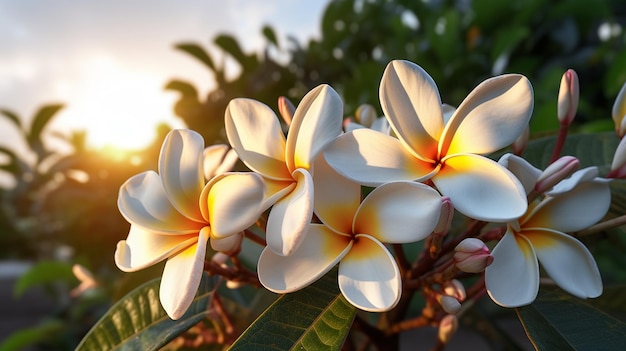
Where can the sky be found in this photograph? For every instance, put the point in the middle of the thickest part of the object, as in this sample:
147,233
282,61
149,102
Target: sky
108,61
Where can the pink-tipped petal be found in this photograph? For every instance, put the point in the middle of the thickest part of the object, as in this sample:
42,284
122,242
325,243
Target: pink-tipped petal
143,202
369,277
181,277
181,170
289,218
336,197
143,248
522,170
254,131
317,121
410,100
512,280
481,188
320,250
492,116
372,158
228,244
567,261
399,212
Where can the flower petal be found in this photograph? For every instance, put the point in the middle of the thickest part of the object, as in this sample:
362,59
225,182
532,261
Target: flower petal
372,158
316,122
369,277
399,212
481,188
143,248
142,201
512,280
289,218
410,100
234,202
492,116
567,261
254,131
320,250
218,159
522,169
228,244
336,197
181,277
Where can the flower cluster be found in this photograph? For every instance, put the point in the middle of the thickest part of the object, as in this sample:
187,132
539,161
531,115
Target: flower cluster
418,164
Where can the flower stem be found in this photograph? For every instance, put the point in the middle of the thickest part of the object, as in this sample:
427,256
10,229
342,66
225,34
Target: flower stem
560,141
602,226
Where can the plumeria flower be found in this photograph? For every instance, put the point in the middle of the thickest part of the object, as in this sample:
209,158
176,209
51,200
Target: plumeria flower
540,236
352,234
366,117
447,152
285,165
169,217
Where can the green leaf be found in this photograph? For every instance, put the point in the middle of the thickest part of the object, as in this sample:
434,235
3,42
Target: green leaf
30,336
558,321
197,52
230,45
315,318
270,35
138,322
39,123
12,117
44,272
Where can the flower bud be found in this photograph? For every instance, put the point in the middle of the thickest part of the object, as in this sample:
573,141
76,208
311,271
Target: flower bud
447,327
472,256
366,115
455,289
555,172
618,166
619,112
286,109
519,145
87,281
449,304
568,97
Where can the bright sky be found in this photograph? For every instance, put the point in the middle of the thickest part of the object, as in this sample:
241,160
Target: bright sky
108,61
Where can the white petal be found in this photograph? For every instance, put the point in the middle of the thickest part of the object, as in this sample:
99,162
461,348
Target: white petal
181,170
369,277
316,122
522,169
372,158
336,197
254,131
181,277
512,280
228,244
567,261
218,159
276,190
582,175
320,250
492,116
289,218
410,100
234,202
142,201
399,212
481,188
143,248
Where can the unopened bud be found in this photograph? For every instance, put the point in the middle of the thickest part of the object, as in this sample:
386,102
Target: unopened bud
220,258
472,256
568,97
556,172
445,216
366,115
619,112
618,166
286,109
519,145
455,289
447,327
449,304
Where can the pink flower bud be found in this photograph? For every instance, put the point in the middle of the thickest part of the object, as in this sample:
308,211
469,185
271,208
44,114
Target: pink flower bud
445,216
619,112
568,97
455,289
449,304
555,172
286,109
447,327
472,256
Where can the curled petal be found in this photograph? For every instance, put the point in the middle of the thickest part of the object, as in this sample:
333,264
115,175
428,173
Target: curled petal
369,277
181,277
567,261
481,188
181,170
254,131
143,201
319,251
372,158
213,157
522,169
228,244
317,121
619,111
618,165
410,100
580,176
512,280
492,116
143,248
399,212
276,190
289,218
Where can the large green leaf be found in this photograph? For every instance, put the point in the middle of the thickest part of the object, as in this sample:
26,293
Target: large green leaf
23,338
138,322
558,321
315,318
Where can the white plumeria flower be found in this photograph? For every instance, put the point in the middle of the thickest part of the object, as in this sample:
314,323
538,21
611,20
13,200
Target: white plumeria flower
169,217
448,152
353,234
575,203
285,165
366,117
